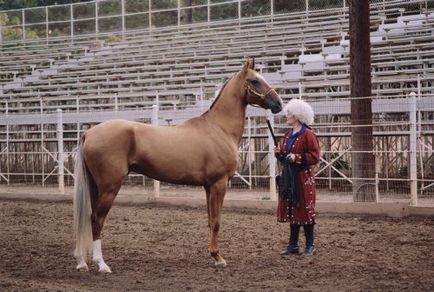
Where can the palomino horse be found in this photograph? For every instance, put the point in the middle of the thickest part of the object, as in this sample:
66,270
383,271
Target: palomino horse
201,151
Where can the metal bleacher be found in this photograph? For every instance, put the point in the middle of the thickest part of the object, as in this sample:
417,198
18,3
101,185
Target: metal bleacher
301,54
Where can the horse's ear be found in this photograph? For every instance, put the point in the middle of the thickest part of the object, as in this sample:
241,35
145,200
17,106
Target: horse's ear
252,63
246,66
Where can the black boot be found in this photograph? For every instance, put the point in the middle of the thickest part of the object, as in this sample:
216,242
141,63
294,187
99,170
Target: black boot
292,247
309,233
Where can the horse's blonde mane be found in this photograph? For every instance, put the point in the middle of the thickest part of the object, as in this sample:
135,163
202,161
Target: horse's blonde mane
220,93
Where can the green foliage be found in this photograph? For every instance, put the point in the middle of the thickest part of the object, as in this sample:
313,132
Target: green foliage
255,8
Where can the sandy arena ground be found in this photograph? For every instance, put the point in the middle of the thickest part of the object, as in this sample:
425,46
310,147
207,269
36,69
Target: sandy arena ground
161,248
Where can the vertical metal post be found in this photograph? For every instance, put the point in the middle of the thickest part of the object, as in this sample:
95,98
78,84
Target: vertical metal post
155,123
42,144
179,13
71,20
300,89
249,151
123,16
1,34
150,14
201,97
272,8
377,180
412,150
96,19
23,16
46,24
208,12
60,157
7,144
272,160
307,6
78,123
239,10
419,137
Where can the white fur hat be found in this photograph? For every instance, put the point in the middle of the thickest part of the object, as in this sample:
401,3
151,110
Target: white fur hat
300,109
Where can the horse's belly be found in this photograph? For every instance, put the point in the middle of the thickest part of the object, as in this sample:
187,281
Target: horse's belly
193,171
169,172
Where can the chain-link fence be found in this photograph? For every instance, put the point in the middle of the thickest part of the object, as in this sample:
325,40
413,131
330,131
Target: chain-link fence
402,149
108,16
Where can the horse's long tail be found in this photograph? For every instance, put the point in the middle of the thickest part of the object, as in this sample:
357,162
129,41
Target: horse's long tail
82,207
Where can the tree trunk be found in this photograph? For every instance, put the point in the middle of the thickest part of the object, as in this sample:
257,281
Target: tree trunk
363,161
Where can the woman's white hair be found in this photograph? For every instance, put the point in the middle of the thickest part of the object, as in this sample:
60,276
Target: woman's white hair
301,110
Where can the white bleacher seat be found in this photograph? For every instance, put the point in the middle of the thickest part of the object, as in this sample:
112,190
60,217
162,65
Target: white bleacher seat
415,24
345,43
291,72
393,28
188,57
312,62
329,58
334,50
376,39
272,77
408,18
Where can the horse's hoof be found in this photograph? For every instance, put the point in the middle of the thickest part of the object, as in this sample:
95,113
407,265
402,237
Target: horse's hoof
82,267
104,269
220,264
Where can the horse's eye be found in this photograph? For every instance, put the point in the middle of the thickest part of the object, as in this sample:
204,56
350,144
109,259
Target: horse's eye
255,82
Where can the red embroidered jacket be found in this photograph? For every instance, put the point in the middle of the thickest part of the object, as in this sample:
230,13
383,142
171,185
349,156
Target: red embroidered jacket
307,153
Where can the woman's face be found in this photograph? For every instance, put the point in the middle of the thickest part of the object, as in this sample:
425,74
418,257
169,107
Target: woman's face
291,120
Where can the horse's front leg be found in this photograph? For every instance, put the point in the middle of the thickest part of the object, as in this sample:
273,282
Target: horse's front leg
215,196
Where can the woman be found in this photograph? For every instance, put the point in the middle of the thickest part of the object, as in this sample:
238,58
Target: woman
298,154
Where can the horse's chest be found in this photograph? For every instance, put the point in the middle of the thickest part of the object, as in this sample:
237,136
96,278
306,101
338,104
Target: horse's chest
226,161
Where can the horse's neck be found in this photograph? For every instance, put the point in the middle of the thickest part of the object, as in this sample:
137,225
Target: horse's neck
229,111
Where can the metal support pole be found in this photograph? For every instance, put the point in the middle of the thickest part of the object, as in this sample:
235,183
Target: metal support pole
41,107
61,156
272,160
202,92
71,20
23,16
150,14
377,179
7,144
96,19
272,8
179,13
419,138
208,12
249,151
300,90
412,150
123,16
155,123
239,10
47,32
1,34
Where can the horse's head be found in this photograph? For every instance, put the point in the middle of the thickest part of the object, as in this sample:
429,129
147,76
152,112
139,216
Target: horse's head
258,91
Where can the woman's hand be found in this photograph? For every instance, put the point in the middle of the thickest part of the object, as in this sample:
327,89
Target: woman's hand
277,148
291,157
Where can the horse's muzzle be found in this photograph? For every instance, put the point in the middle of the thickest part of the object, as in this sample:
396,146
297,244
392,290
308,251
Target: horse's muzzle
274,102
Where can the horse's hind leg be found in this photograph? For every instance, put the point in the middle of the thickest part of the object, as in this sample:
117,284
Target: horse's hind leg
100,209
215,196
